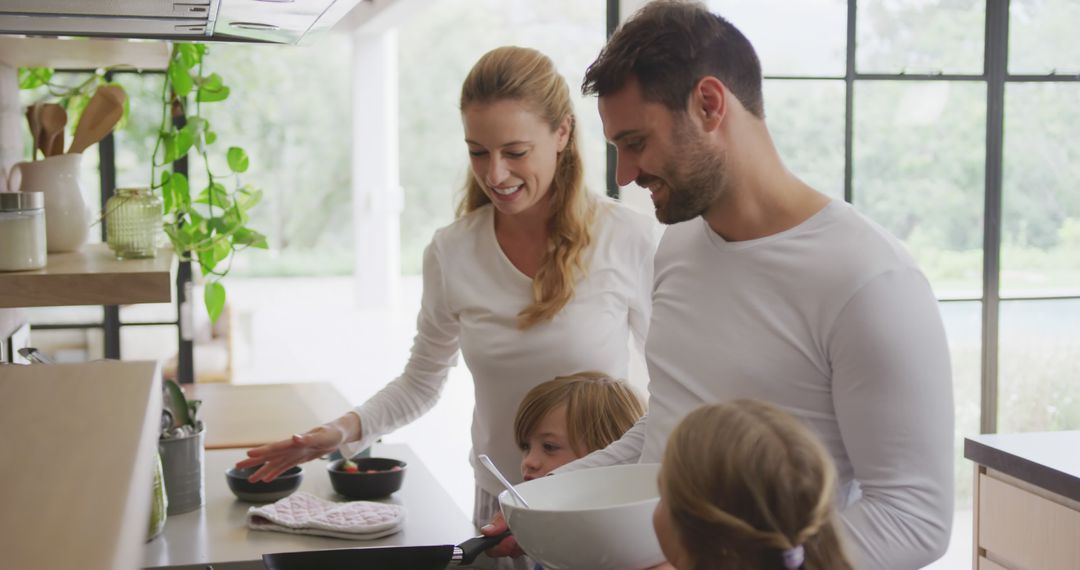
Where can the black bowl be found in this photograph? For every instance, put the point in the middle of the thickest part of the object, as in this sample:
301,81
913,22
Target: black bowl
262,492
376,477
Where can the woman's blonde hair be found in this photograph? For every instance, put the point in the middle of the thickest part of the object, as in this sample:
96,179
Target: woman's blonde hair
745,481
599,409
526,75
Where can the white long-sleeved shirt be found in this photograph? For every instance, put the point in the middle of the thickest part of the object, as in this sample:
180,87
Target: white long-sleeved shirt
832,321
472,296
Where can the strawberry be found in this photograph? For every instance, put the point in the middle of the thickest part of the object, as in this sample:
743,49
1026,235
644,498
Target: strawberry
349,466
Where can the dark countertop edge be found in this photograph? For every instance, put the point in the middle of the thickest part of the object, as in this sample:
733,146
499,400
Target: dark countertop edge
1053,480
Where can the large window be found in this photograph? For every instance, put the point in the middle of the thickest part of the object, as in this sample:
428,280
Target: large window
953,124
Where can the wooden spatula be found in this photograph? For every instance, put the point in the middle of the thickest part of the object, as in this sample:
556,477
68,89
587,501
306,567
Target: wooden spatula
100,116
33,119
53,121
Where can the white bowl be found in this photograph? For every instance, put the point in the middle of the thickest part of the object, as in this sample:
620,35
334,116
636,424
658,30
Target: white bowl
592,519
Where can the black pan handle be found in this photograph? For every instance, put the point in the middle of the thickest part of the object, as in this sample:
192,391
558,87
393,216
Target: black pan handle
472,548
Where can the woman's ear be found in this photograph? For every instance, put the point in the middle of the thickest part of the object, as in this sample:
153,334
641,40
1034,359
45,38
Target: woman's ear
562,133
710,102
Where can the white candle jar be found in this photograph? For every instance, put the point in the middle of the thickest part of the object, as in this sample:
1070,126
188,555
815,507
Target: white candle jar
22,231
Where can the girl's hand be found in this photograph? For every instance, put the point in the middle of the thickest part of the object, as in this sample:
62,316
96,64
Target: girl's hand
509,546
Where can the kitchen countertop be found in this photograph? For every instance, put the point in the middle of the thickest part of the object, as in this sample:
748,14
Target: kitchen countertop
216,533
1050,460
248,415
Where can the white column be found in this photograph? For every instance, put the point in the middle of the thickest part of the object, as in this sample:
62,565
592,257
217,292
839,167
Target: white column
12,122
377,195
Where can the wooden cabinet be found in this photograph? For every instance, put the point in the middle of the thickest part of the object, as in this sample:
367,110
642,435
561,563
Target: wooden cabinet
77,443
1027,501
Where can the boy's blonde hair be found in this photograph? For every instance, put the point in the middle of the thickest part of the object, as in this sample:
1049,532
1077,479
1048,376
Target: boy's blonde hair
745,481
514,73
599,409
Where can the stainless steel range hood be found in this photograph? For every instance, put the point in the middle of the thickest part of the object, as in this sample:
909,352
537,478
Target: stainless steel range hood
266,21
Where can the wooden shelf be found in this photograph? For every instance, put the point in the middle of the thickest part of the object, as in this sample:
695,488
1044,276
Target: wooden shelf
83,53
90,276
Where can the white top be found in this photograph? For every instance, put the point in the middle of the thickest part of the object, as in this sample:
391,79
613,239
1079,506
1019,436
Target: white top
832,321
472,296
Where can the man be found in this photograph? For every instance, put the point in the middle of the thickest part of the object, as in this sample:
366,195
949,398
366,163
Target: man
767,289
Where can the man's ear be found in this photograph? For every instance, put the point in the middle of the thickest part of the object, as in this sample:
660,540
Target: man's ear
562,133
709,101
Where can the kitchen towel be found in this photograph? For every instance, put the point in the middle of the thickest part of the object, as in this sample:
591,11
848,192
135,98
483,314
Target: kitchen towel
303,513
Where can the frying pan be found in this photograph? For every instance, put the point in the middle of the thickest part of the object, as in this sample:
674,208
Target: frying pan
384,558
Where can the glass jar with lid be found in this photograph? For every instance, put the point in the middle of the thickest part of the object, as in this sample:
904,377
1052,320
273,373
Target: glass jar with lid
133,223
22,231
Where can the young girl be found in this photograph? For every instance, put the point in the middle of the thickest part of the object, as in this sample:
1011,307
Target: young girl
744,485
569,417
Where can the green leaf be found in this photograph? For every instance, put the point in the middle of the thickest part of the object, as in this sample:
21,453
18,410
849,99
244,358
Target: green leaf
214,253
251,238
187,55
181,80
217,225
214,295
32,77
238,159
211,82
206,95
210,137
214,195
184,139
177,403
247,197
168,142
181,191
181,241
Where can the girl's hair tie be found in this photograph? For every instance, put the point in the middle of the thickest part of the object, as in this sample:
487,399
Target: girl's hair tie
793,557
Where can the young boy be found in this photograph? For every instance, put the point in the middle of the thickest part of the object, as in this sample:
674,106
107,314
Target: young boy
569,417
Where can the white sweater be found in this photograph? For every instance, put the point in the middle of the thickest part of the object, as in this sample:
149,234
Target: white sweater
832,321
472,296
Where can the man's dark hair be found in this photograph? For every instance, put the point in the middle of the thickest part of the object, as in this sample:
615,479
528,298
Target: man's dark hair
669,46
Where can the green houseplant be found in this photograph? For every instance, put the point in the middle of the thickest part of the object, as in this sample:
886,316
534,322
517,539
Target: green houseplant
210,226
207,226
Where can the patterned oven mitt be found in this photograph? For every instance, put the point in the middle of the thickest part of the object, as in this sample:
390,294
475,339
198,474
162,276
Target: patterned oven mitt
303,513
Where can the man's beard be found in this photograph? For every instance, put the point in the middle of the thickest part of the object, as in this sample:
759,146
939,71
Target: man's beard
694,179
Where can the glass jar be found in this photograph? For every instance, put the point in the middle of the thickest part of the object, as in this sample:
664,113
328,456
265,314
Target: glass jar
133,223
22,231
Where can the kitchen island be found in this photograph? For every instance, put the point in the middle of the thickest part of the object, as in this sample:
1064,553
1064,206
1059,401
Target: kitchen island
216,534
1027,500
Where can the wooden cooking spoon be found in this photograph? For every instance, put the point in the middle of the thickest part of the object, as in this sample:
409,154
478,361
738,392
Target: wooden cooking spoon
53,121
33,118
100,116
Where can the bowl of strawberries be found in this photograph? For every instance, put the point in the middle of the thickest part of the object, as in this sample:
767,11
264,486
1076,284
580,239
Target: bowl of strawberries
366,477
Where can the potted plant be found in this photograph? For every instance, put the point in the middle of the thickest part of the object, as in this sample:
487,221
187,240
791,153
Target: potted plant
207,225
211,225
180,446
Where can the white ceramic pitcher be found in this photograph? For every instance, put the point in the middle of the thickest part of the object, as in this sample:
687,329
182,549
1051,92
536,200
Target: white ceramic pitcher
67,220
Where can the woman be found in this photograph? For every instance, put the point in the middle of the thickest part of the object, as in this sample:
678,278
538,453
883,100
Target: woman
536,278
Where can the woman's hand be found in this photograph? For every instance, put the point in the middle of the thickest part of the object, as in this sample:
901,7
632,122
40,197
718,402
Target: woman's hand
280,456
509,546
